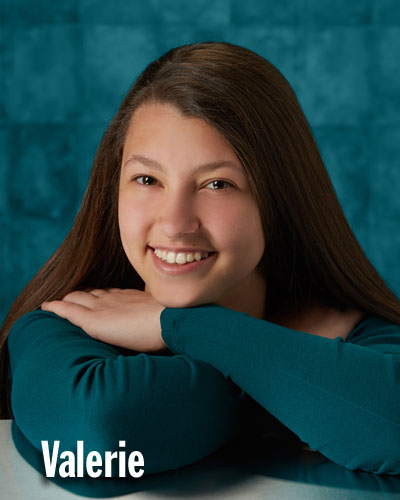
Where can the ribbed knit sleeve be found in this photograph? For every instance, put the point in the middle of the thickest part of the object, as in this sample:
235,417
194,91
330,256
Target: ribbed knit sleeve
342,398
68,386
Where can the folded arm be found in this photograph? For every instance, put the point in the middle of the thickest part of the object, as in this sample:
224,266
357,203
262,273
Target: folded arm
67,386
342,398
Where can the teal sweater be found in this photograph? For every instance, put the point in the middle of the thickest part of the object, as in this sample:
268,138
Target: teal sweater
342,398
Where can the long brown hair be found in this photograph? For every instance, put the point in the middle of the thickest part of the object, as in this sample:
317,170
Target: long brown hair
311,251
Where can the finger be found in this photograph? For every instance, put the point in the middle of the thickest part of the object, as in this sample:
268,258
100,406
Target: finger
98,292
79,297
75,313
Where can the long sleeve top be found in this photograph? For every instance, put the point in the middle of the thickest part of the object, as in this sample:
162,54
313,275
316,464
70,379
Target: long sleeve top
340,397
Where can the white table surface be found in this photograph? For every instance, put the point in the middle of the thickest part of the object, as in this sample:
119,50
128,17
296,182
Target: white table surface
306,476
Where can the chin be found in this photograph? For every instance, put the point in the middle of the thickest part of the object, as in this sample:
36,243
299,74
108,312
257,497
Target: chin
177,301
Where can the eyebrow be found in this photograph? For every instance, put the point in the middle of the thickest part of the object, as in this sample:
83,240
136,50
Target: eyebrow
205,167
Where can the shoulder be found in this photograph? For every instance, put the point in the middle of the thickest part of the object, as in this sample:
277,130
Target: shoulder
38,324
34,316
39,317
371,323
377,331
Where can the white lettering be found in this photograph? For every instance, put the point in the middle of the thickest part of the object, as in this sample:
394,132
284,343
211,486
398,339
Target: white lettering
109,457
69,463
91,462
79,458
135,460
75,466
50,466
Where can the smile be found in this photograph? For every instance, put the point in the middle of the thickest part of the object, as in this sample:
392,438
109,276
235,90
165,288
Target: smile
179,257
175,263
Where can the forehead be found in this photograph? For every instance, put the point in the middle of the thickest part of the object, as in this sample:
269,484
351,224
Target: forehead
160,127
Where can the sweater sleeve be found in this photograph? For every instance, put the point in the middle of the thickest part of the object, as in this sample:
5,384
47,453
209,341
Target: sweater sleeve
68,386
341,398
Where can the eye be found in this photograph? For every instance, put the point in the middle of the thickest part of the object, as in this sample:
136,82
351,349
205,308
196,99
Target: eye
219,184
145,180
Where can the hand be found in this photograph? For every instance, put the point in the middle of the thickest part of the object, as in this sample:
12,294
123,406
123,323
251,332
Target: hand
125,318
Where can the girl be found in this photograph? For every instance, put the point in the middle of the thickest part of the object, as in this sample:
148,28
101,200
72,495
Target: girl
210,268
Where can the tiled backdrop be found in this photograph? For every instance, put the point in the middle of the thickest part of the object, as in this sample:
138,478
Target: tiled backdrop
65,66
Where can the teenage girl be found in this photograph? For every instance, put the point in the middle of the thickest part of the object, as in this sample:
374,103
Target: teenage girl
209,265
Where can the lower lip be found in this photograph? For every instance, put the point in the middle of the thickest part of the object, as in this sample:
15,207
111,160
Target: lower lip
175,269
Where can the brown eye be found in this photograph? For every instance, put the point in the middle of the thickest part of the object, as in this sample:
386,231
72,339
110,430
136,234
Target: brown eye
218,184
146,180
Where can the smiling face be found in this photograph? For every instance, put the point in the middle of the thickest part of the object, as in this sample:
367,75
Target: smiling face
184,193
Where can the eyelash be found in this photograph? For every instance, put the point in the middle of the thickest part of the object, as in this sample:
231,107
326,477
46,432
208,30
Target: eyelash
150,177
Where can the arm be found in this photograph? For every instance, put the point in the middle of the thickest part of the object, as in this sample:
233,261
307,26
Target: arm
68,386
342,398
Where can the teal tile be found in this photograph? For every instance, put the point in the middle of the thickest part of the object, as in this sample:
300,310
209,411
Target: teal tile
335,87
174,35
200,12
4,54
42,182
387,12
4,12
27,243
385,174
346,154
385,75
42,75
385,251
119,12
267,13
25,12
88,137
338,12
6,142
113,58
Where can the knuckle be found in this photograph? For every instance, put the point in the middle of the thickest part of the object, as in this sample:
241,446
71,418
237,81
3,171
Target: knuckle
74,293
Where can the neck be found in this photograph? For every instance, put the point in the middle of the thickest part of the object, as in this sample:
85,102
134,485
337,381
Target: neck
250,299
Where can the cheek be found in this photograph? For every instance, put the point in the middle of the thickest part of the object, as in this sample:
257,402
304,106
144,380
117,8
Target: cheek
238,229
133,220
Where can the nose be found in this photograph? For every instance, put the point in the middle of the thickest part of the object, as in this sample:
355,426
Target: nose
177,215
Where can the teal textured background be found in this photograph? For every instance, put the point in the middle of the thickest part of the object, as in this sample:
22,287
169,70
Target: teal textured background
66,65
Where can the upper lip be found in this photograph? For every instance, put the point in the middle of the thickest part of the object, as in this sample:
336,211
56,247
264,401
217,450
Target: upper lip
182,250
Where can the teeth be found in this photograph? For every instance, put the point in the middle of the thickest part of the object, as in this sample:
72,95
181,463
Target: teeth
171,257
180,257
